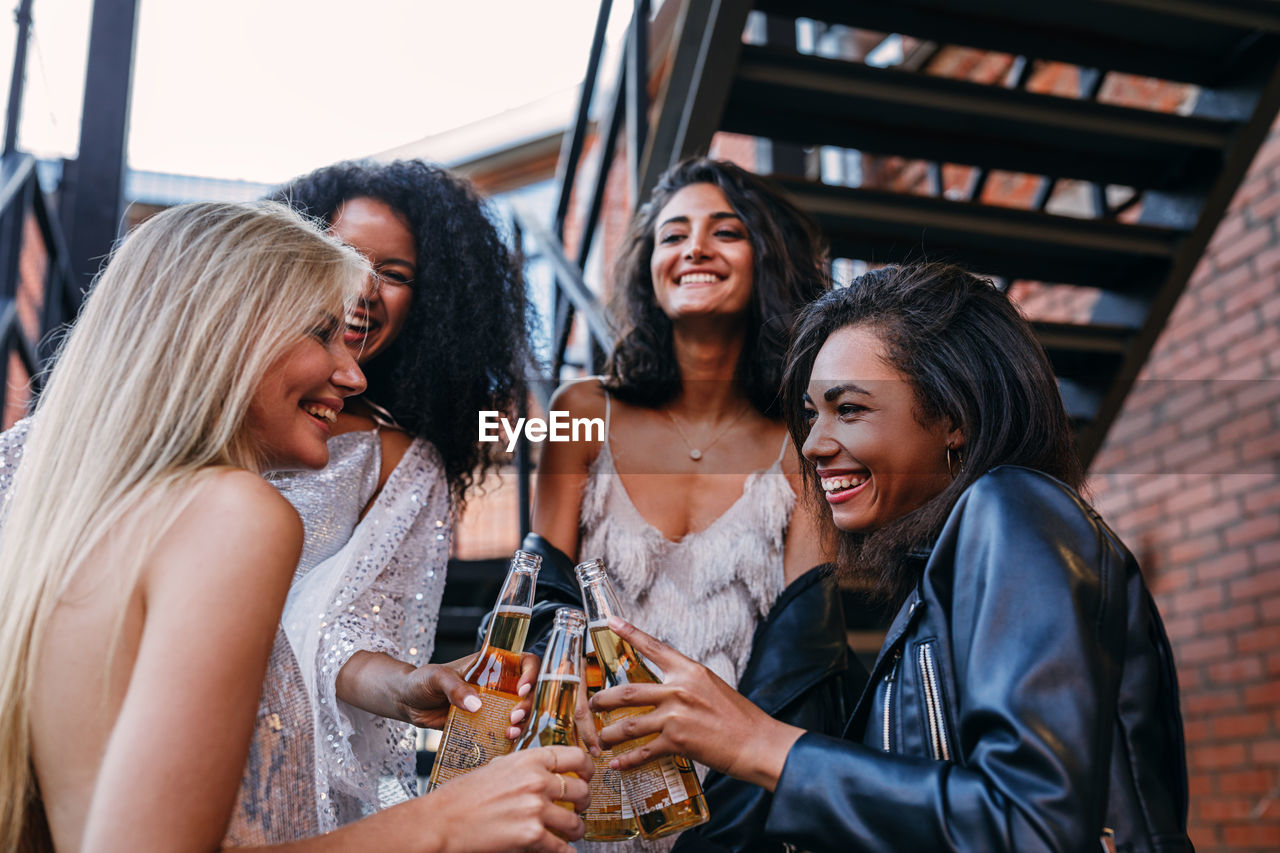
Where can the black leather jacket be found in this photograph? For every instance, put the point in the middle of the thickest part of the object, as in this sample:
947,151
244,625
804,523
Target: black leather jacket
1024,699
800,671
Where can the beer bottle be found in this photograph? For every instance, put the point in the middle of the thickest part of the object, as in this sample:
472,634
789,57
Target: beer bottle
552,722
473,739
665,793
609,817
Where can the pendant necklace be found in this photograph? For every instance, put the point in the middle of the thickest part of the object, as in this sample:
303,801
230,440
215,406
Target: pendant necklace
694,453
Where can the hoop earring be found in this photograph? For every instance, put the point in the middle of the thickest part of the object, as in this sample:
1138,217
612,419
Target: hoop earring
955,467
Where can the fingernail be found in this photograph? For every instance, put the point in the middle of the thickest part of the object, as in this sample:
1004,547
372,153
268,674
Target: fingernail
615,764
517,715
471,703
595,751
524,689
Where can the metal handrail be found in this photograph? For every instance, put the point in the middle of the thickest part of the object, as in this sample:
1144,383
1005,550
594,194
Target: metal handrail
21,196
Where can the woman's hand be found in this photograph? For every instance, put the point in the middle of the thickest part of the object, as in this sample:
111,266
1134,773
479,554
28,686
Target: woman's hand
695,714
424,694
510,803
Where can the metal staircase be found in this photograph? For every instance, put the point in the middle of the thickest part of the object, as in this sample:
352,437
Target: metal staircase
1155,183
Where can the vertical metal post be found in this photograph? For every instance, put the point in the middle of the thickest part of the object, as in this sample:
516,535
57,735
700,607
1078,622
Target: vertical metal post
98,191
637,96
13,114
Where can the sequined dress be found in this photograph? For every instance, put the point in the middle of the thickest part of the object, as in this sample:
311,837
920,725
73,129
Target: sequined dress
703,594
373,584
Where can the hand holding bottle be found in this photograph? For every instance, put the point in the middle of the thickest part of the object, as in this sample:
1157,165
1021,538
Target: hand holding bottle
424,694
695,714
510,803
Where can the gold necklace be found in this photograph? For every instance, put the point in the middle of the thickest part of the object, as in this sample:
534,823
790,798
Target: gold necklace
694,453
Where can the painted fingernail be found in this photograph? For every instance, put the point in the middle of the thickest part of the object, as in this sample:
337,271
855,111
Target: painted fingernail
471,703
595,751
524,689
517,715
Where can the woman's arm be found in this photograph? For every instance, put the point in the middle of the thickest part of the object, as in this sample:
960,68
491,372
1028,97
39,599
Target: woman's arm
1034,627
212,592
563,467
809,540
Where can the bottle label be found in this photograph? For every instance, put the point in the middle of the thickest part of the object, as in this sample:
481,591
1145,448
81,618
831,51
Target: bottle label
472,740
655,785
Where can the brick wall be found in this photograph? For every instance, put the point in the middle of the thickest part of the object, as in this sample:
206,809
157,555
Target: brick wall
1190,478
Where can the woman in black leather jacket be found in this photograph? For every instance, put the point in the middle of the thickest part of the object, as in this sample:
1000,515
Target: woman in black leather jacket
1025,696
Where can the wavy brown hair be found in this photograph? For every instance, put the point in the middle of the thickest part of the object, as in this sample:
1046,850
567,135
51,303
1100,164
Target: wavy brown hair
465,345
972,359
790,270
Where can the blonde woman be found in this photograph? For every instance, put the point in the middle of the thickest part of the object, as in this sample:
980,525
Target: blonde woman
148,698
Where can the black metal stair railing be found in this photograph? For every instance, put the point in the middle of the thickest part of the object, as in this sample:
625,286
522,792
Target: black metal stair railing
22,199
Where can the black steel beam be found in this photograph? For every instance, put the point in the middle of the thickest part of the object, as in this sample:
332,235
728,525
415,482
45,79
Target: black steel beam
811,100
98,195
13,113
1238,156
883,227
571,146
1163,39
691,103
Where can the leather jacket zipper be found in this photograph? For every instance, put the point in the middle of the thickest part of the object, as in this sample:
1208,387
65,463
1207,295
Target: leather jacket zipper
933,703
888,698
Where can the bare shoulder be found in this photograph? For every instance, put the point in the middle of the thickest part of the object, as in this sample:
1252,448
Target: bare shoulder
395,444
235,525
582,398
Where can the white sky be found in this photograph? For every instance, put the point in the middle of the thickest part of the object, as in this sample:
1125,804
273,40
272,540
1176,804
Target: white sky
267,89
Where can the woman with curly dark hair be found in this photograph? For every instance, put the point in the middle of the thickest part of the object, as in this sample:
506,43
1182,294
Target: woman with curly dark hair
690,499
441,333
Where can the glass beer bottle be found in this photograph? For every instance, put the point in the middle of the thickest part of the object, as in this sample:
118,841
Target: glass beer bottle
609,817
473,739
556,699
665,792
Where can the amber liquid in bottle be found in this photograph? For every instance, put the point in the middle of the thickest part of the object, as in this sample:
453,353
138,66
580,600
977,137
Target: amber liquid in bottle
665,793
473,739
559,679
610,816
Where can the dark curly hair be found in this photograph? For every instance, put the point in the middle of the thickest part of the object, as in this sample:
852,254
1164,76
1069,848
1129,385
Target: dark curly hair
790,270
465,344
973,360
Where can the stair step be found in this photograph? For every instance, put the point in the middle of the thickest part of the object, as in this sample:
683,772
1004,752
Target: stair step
885,227
814,101
1196,41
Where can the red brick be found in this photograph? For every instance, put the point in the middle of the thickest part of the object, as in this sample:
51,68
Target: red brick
1258,835
1191,550
1206,702
1224,808
1253,530
1246,782
1265,499
1241,725
1270,608
1201,784
1258,639
1261,454
1197,492
1196,731
1265,208
1220,514
1196,600
1241,616
1229,565
1210,757
1240,248
1204,649
1265,696
1182,627
1246,426
1266,555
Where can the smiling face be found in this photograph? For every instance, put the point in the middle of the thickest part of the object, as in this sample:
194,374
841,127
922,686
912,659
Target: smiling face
702,262
291,414
383,236
876,462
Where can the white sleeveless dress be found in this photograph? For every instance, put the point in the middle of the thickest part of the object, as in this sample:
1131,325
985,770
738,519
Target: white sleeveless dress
704,594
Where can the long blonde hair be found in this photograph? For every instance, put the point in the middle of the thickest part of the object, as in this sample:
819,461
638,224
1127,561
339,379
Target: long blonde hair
151,388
